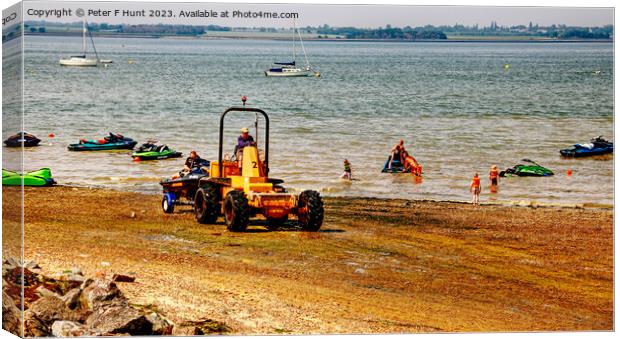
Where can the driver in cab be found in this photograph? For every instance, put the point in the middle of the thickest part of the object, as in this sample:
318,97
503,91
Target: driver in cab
245,139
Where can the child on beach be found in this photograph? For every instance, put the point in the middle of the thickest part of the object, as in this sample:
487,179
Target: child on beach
475,189
494,177
347,171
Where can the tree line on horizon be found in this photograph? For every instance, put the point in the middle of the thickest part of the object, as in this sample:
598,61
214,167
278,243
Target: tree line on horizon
427,32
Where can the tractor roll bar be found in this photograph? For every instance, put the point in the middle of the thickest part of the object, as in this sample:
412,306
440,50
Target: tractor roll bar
243,109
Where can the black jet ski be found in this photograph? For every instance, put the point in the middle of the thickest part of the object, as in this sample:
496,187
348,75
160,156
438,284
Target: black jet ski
28,140
181,189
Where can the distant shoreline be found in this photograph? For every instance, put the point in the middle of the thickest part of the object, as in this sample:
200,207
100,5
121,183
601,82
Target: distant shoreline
240,37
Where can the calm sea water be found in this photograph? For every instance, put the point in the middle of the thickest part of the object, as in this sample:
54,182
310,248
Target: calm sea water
457,108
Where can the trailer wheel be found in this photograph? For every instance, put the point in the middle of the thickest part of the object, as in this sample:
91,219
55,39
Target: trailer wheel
236,211
206,204
310,210
167,203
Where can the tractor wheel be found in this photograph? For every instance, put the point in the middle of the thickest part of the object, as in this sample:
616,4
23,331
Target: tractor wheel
310,210
167,203
206,204
275,223
236,211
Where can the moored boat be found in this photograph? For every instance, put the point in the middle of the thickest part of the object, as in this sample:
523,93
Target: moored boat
596,146
22,138
152,151
111,142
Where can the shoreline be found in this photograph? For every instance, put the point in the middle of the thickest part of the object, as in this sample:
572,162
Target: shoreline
376,265
241,37
529,203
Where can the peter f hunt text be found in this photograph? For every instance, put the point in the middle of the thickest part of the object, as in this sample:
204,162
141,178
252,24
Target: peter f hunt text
162,13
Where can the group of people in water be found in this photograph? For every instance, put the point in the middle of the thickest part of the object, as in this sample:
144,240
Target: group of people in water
398,155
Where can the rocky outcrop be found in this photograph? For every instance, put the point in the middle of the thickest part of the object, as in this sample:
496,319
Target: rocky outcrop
11,321
72,305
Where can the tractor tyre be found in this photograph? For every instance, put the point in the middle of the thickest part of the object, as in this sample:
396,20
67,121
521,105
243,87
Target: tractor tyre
206,204
275,223
236,211
310,210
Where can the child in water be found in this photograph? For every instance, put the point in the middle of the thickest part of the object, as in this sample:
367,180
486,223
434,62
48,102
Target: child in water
347,171
475,189
494,177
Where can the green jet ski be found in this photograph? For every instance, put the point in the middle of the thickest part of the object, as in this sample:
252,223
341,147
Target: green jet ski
152,151
41,177
532,170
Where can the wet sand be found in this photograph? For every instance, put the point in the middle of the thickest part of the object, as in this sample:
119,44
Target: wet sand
376,266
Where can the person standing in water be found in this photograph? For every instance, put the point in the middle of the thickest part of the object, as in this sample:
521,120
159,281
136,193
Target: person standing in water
474,188
347,171
494,177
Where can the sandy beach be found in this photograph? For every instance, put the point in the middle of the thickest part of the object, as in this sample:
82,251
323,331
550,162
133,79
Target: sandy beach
376,266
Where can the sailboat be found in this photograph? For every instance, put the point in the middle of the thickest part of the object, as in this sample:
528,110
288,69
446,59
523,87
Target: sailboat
82,60
290,68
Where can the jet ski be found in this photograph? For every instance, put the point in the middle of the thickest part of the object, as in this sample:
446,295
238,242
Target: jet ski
110,142
531,170
41,177
596,146
27,139
397,166
152,151
181,189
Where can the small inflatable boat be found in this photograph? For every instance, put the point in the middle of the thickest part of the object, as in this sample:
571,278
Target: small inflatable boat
111,142
597,146
29,140
152,151
41,177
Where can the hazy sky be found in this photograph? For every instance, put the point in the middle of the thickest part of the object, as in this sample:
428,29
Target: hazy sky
333,15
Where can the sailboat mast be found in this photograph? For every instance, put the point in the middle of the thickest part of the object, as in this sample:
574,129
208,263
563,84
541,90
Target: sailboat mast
301,42
294,52
84,37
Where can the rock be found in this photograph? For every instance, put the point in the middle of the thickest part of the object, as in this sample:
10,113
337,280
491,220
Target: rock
64,328
118,318
33,327
11,320
47,310
122,278
201,327
72,298
98,291
159,324
44,292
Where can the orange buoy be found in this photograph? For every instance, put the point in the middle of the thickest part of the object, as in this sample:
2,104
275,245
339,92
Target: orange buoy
51,135
569,172
137,159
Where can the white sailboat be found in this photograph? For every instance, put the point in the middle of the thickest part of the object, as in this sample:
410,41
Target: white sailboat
290,69
82,60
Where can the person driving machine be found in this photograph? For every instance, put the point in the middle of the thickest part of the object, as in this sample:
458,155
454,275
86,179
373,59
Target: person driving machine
244,139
